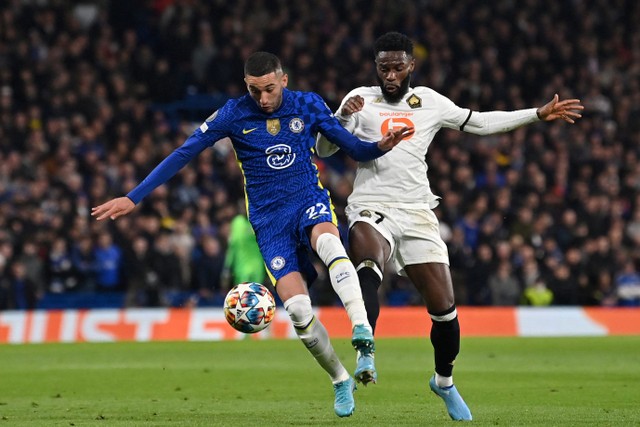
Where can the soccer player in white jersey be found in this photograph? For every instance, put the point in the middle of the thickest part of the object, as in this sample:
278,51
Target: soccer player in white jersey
390,209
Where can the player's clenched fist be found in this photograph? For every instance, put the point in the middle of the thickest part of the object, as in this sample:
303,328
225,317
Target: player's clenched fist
352,105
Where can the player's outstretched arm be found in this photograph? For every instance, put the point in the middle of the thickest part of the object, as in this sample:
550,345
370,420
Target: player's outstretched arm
113,208
567,110
491,122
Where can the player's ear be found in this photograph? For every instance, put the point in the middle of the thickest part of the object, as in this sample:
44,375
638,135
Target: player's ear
285,80
412,65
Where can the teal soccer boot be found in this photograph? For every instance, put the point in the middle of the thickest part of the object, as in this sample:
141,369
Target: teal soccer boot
344,404
362,341
458,410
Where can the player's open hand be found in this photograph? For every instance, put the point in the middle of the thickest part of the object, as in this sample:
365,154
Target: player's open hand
113,208
353,105
394,136
566,110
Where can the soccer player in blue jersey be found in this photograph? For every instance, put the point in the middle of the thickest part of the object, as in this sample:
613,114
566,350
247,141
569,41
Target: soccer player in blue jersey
273,131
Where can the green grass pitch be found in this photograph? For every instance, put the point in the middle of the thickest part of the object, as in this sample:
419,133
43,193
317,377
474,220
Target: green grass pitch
505,381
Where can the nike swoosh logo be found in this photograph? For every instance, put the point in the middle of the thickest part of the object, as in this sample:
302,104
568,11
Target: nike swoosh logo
246,131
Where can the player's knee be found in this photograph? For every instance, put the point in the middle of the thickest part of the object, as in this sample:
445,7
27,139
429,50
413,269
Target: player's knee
446,319
299,309
369,267
329,248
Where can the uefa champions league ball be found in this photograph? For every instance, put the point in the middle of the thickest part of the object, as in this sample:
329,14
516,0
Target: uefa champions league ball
249,307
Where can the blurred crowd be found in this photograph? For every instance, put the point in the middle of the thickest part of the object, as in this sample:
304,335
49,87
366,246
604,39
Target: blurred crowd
547,214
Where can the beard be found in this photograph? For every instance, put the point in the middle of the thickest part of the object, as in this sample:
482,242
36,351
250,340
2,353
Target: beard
395,97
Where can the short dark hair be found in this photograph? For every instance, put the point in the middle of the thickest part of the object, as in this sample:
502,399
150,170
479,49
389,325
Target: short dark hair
393,41
261,64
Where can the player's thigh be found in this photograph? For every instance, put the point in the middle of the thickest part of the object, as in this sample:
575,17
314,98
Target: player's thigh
419,239
279,248
365,242
423,256
370,234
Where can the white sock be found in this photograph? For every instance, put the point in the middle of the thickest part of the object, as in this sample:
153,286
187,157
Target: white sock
344,278
443,382
314,336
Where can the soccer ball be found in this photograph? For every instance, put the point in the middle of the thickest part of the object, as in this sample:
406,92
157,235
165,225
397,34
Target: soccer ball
249,307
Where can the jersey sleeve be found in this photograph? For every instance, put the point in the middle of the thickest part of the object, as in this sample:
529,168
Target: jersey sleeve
490,122
211,130
330,127
482,123
324,147
451,116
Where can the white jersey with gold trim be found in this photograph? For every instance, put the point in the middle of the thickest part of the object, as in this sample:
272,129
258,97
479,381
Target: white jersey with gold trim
399,178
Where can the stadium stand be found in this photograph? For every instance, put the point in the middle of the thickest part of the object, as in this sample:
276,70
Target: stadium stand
94,94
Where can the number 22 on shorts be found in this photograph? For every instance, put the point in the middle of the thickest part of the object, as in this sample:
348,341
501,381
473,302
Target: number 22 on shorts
317,210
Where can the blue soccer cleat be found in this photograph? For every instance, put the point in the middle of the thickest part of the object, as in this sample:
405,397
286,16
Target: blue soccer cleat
362,341
458,410
365,368
344,404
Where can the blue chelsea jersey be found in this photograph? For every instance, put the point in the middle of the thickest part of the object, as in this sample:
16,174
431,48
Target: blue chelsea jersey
274,150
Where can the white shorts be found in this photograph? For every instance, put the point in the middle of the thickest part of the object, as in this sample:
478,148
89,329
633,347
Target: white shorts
413,234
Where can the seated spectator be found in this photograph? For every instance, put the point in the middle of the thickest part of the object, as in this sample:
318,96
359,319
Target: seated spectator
24,293
564,288
627,283
537,294
84,263
166,265
141,278
83,121
60,267
31,261
207,270
5,284
504,286
605,294
478,279
109,260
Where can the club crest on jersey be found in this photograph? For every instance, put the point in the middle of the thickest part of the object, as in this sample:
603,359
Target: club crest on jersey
296,125
414,101
273,126
277,263
280,156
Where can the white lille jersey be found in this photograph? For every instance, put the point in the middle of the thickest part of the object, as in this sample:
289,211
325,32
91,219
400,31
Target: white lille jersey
399,178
